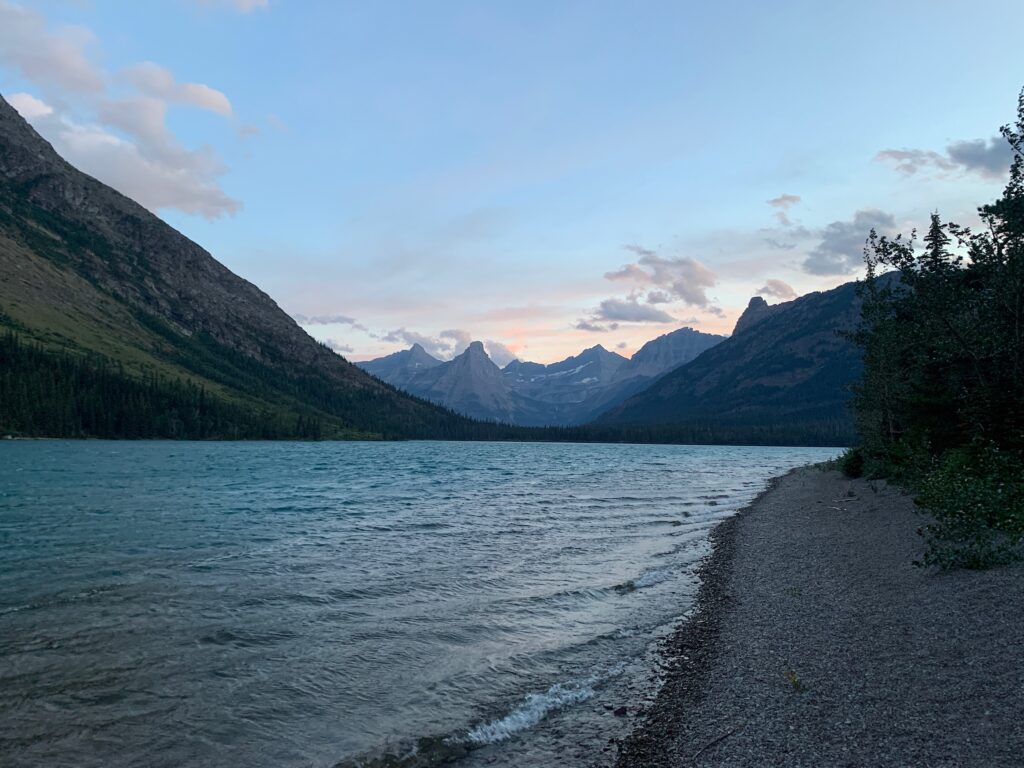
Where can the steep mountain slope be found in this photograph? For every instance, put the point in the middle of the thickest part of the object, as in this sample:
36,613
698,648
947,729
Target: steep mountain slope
400,368
86,270
787,375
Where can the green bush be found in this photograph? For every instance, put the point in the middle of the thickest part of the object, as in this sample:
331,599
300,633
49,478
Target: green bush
851,463
976,497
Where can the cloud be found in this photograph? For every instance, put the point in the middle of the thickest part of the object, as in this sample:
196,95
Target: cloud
778,288
779,244
910,161
156,176
679,278
499,353
586,325
123,141
841,250
51,57
154,80
445,345
990,159
459,340
783,203
29,106
337,346
631,311
621,345
328,320
436,347
658,297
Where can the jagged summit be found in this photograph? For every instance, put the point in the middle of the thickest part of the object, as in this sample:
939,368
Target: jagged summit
757,310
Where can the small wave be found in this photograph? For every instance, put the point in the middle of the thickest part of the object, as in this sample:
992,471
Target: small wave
650,578
536,706
533,709
646,579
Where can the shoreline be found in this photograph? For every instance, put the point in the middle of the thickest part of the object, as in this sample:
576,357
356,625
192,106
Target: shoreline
814,641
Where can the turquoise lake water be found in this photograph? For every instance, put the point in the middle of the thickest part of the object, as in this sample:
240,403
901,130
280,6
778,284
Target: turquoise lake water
317,604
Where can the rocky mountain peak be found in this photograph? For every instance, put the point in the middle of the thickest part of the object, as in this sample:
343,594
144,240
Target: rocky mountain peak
757,310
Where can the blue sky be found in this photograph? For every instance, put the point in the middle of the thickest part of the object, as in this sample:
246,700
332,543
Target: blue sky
540,176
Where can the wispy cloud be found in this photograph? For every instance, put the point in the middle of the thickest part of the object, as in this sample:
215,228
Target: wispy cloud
782,204
328,320
990,159
156,81
338,346
591,327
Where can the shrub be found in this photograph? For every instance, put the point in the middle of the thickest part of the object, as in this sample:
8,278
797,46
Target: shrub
976,497
851,463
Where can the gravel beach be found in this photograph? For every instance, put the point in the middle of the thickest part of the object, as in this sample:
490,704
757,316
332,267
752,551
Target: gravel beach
816,642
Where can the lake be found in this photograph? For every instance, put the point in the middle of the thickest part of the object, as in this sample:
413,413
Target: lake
317,604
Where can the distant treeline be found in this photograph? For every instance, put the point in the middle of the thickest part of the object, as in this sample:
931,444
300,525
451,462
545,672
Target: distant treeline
941,404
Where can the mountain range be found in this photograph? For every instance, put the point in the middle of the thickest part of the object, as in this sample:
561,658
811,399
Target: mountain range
569,392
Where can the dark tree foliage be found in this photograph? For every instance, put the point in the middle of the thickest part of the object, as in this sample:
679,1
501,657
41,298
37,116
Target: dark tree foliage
58,394
941,404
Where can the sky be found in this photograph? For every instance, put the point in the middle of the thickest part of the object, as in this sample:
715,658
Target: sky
540,176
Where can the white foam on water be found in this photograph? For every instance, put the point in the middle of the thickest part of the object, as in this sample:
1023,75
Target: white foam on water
533,709
650,578
536,706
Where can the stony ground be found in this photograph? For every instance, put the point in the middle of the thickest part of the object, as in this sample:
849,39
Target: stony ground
816,642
